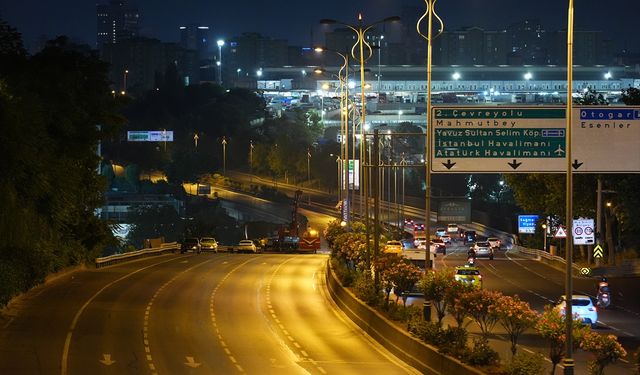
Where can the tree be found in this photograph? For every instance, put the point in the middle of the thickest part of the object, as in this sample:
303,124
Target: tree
479,304
515,316
606,349
434,286
631,96
403,275
552,327
454,303
590,97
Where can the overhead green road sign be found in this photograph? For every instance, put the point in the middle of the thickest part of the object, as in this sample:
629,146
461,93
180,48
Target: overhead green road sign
533,139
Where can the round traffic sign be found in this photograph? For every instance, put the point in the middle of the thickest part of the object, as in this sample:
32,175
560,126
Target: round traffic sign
588,231
577,231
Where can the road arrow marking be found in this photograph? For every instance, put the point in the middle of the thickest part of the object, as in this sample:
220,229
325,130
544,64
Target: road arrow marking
192,363
597,252
448,164
106,360
576,165
514,164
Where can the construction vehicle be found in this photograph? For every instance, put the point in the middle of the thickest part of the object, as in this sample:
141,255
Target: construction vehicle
292,239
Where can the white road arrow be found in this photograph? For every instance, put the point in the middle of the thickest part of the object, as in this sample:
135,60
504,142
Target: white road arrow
106,360
191,362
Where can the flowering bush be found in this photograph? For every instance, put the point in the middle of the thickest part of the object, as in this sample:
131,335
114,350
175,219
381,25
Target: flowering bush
606,349
434,286
454,305
479,305
552,327
515,316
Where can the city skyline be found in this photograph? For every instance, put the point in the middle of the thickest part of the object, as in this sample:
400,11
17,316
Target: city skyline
300,26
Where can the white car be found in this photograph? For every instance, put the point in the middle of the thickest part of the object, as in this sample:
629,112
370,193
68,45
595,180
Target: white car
441,232
581,306
452,228
246,246
420,242
494,242
446,239
483,249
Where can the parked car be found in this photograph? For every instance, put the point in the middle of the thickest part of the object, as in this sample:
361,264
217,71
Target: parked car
494,242
246,246
483,249
581,306
209,243
190,244
393,246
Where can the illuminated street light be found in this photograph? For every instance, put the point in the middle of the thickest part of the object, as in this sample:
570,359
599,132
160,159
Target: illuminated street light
607,75
429,13
259,72
360,29
455,76
528,76
124,80
220,43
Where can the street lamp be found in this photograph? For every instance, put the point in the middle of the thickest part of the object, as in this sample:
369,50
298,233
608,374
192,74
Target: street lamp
224,155
238,71
528,76
430,12
399,114
220,43
124,80
360,29
607,75
309,172
544,238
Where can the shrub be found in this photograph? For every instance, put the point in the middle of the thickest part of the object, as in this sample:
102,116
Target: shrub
365,289
481,353
526,364
345,275
454,342
399,312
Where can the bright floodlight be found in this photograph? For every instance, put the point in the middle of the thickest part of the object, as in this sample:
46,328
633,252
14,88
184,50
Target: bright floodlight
455,76
528,76
352,85
607,75
220,43
259,73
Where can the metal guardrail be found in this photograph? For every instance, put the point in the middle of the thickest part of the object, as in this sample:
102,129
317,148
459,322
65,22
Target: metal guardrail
118,258
550,259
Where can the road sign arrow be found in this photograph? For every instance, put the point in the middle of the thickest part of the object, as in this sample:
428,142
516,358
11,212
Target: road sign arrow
597,251
576,165
514,164
449,164
106,360
191,362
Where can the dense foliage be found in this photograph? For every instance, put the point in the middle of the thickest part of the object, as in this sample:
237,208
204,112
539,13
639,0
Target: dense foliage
51,105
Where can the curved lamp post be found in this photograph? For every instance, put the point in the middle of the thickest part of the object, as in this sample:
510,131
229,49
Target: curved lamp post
361,44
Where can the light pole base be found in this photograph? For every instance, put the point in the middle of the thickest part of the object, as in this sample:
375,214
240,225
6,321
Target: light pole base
568,365
426,311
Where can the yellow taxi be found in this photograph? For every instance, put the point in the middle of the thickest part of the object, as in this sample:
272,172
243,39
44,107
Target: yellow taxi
393,246
469,274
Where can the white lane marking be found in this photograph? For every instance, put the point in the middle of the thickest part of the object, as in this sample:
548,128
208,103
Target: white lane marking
76,318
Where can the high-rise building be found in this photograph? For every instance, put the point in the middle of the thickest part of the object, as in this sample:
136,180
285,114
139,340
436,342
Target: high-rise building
198,39
116,21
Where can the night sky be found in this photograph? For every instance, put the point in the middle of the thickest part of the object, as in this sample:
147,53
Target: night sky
297,21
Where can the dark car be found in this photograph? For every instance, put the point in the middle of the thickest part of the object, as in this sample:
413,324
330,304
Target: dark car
190,244
469,236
